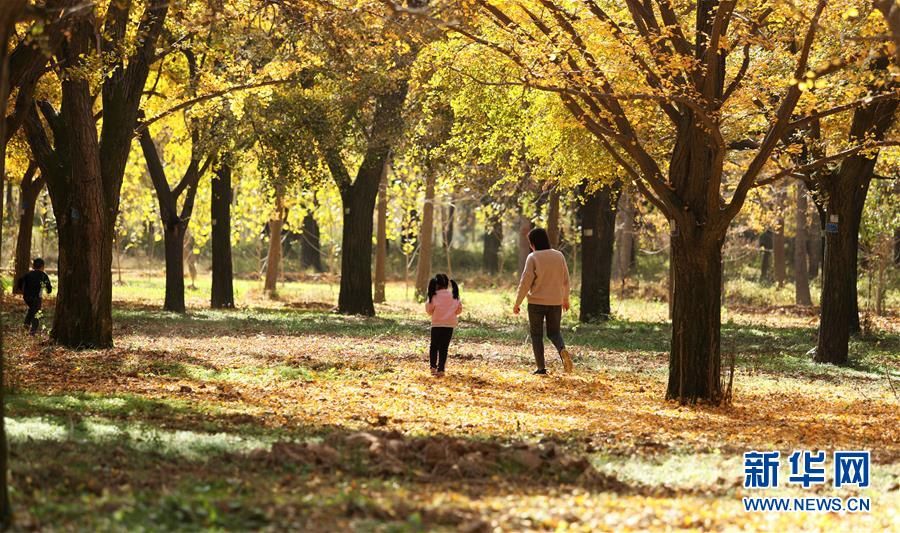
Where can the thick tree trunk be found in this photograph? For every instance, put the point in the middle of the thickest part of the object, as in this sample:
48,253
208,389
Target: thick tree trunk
801,274
173,237
838,283
553,218
694,362
358,199
84,170
493,239
598,220
356,258
696,266
381,242
29,190
624,251
273,258
85,224
426,232
778,252
846,189
310,244
222,294
83,314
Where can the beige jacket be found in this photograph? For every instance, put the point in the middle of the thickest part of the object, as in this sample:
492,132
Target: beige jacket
545,279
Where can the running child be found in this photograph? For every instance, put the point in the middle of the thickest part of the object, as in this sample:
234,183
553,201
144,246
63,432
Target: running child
31,285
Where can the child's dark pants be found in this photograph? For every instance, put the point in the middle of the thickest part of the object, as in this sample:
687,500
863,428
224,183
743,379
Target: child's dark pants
31,317
440,344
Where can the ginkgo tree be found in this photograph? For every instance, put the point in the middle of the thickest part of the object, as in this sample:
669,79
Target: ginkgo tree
708,75
353,108
84,167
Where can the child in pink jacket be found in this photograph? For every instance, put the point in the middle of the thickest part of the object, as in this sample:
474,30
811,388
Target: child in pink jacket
444,306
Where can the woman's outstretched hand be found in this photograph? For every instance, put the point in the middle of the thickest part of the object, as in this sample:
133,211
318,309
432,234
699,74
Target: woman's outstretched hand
515,309
565,305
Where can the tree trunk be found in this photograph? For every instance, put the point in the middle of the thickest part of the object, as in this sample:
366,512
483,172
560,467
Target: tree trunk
381,241
85,225
29,190
358,199
598,221
222,294
273,259
694,362
426,248
838,282
449,215
801,274
624,250
524,245
493,239
84,170
83,314
310,244
173,235
553,218
846,189
778,253
356,257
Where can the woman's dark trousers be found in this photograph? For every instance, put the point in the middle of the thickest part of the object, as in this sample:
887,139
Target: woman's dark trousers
537,315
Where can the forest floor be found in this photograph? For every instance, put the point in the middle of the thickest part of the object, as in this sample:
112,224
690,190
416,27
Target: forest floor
281,415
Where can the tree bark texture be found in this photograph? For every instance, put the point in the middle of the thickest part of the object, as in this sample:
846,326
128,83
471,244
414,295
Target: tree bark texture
845,192
598,221
29,190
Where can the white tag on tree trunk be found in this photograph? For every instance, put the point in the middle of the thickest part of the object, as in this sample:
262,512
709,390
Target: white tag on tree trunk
588,232
834,218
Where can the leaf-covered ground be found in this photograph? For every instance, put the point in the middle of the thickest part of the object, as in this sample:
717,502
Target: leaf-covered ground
281,415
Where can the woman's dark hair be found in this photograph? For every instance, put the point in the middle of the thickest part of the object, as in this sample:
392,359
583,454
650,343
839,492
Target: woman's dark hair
539,239
37,263
441,281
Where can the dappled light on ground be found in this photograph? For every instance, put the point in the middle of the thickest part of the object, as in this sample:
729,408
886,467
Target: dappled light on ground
284,415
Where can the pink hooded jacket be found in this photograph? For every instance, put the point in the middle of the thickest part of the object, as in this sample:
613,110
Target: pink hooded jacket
444,309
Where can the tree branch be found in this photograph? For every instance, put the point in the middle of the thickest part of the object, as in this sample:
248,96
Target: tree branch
776,132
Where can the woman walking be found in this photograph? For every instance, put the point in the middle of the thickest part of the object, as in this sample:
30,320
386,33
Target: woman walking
545,281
